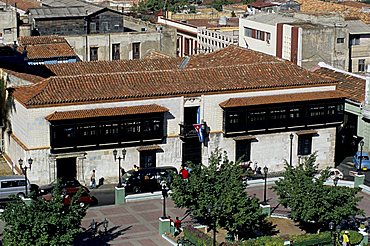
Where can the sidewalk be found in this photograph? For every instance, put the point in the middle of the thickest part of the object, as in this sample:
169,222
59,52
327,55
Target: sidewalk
134,223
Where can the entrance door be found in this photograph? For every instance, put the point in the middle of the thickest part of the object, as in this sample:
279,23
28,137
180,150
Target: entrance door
192,151
147,159
66,168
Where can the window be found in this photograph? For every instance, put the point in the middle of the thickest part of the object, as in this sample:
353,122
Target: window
304,144
147,159
317,111
355,41
361,65
92,27
136,51
268,37
243,150
93,53
278,114
340,40
294,113
257,116
116,52
105,26
260,35
248,32
7,31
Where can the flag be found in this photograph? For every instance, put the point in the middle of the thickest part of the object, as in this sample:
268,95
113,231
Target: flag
199,130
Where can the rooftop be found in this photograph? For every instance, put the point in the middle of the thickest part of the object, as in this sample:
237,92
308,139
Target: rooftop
23,4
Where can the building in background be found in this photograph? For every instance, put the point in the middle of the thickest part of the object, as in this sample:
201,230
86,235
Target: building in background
8,24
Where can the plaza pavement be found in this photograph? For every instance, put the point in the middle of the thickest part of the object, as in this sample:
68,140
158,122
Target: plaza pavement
136,223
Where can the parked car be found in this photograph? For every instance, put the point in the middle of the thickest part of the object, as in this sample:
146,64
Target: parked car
14,185
334,173
68,185
148,179
84,200
365,162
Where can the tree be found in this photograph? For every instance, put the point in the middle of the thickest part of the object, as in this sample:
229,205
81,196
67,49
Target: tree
6,107
311,202
42,222
216,196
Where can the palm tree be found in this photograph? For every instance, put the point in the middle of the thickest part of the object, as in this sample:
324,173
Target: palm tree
6,108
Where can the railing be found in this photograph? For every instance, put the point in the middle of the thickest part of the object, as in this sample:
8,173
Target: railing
187,131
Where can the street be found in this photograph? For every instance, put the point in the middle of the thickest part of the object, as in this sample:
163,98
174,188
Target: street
105,193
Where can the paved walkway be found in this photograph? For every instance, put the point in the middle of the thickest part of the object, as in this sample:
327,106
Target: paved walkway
136,223
133,223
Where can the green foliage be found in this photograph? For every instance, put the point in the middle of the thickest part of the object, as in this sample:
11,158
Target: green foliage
42,222
218,4
312,239
197,237
216,195
311,201
6,105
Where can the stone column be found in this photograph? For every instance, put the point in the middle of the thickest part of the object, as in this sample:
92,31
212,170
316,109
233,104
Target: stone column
266,209
164,226
359,180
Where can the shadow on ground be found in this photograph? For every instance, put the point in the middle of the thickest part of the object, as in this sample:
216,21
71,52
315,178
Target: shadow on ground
99,237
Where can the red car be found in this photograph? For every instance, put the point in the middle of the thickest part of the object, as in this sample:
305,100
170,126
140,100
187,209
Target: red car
84,200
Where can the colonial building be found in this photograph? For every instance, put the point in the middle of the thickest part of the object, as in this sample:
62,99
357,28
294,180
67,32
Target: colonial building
171,110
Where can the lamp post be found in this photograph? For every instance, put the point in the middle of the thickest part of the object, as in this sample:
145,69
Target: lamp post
105,224
291,149
361,147
93,228
265,171
24,170
331,228
165,195
335,181
119,158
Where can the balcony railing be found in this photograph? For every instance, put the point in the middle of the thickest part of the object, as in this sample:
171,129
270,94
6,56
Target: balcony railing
187,131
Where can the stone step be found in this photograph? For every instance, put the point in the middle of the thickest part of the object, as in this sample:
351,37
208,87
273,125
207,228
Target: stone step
5,169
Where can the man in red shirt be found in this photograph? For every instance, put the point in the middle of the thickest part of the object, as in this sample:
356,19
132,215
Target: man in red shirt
177,225
184,173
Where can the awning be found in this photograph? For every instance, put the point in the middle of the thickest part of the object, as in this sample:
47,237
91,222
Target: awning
285,98
149,148
248,137
306,132
106,112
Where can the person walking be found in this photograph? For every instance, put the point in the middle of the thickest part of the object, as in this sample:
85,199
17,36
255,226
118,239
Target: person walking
92,180
345,241
177,225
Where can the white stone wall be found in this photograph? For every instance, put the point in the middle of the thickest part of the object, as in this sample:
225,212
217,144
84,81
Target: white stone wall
31,128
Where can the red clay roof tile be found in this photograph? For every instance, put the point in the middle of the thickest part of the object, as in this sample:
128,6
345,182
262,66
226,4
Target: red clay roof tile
104,112
285,98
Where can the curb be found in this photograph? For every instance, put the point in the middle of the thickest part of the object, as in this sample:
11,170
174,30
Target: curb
169,240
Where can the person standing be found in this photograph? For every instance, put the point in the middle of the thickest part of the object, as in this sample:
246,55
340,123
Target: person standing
93,180
184,173
345,239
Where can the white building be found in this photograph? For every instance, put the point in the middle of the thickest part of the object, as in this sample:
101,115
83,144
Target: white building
244,102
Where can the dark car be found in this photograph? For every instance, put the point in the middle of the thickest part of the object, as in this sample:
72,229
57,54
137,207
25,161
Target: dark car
84,200
68,185
148,179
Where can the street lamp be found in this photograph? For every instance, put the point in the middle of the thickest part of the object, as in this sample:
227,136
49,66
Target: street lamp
265,171
331,228
93,227
105,224
335,181
361,146
291,149
24,170
119,158
165,195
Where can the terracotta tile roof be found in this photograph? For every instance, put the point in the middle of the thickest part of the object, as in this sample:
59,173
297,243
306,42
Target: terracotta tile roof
352,86
33,40
261,4
148,84
44,51
43,47
25,76
23,4
348,9
106,112
230,56
286,98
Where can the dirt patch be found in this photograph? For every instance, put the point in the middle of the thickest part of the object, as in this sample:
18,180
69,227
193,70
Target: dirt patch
283,227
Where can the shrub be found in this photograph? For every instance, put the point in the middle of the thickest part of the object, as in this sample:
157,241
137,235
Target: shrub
197,237
312,239
354,237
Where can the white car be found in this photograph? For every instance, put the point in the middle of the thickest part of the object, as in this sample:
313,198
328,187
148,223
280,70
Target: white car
333,173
